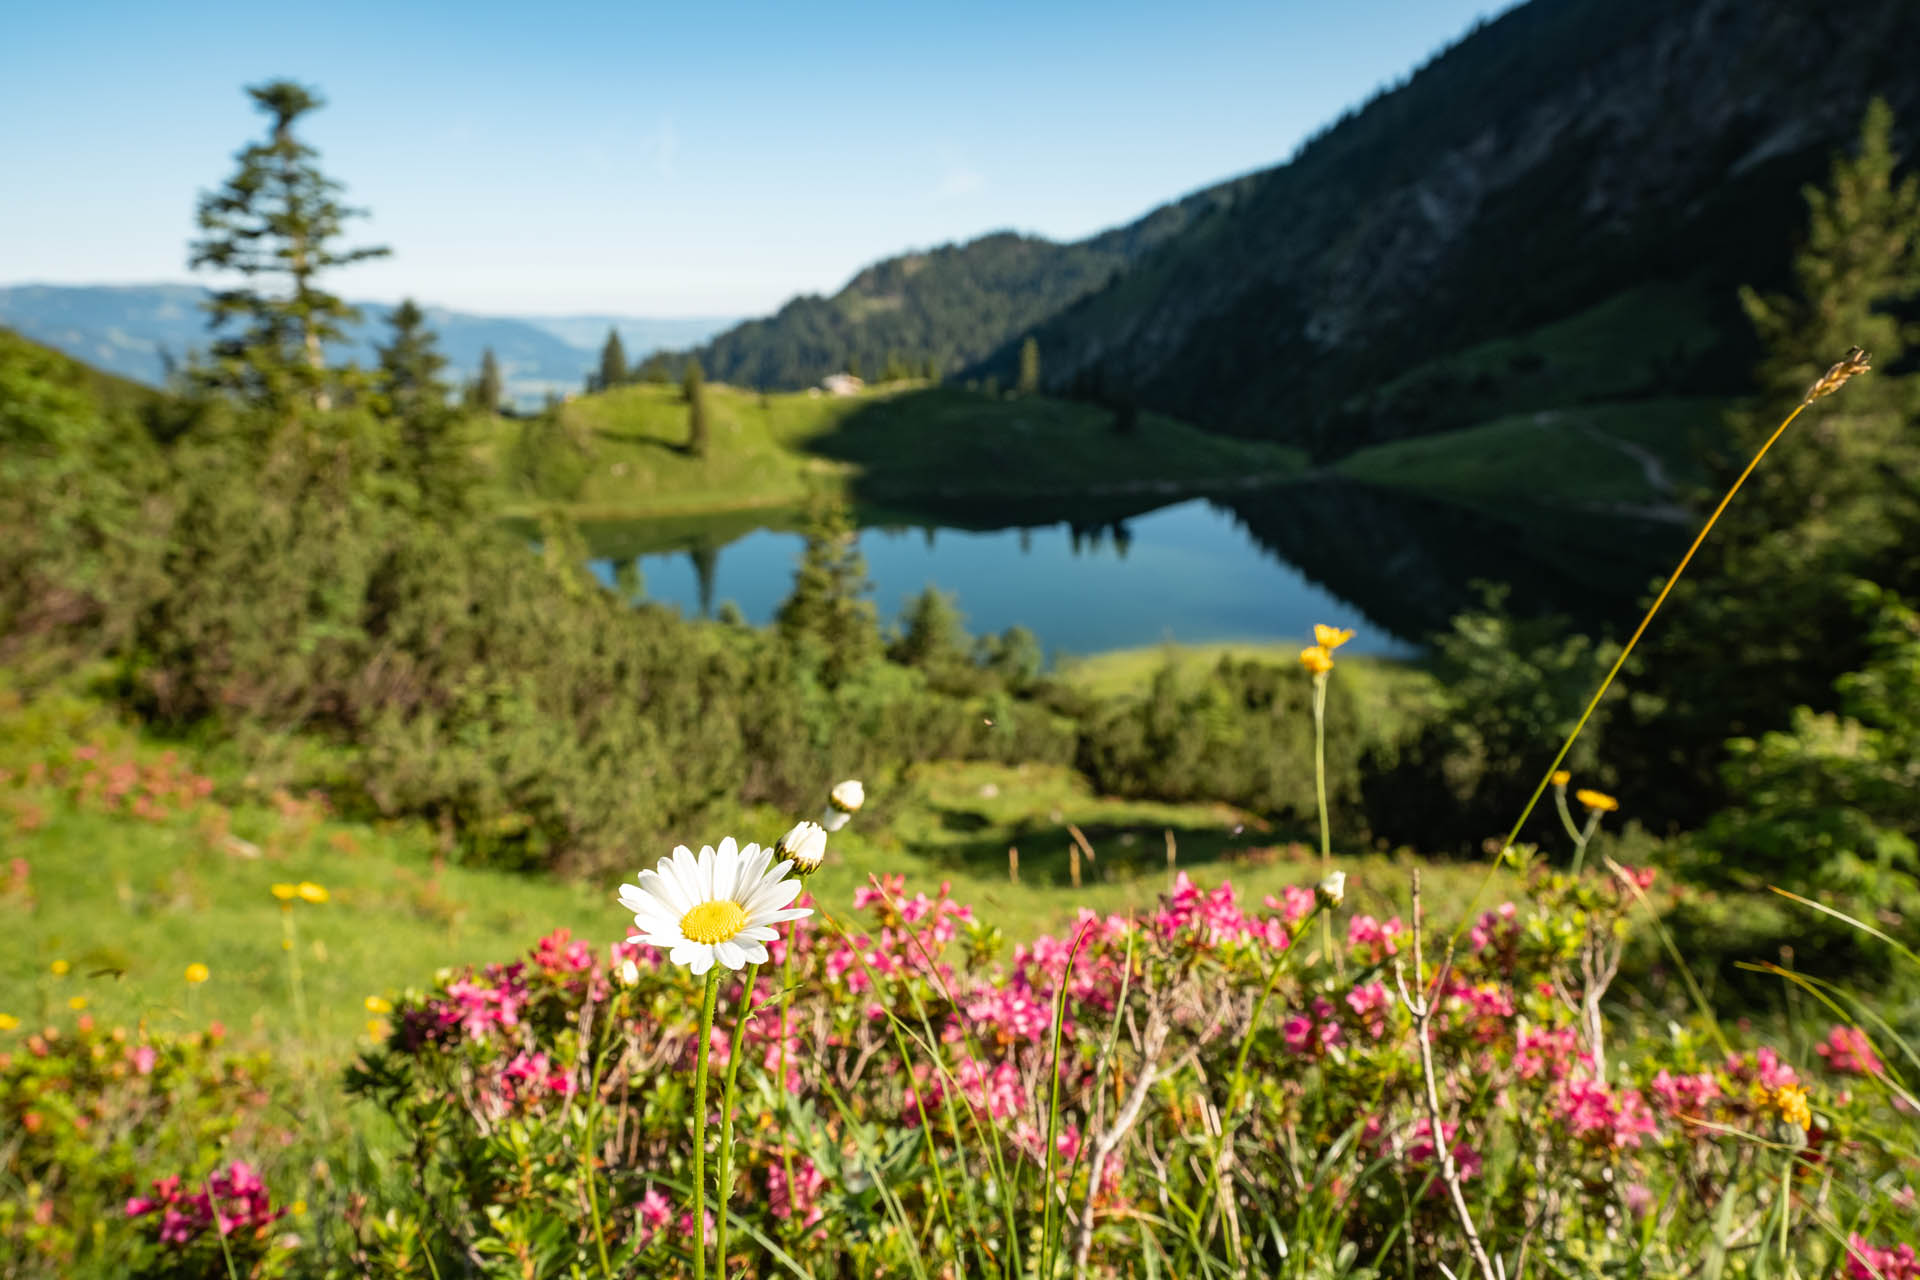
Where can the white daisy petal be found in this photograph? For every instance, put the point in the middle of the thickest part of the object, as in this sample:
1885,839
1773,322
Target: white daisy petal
729,954
728,847
756,952
702,961
759,933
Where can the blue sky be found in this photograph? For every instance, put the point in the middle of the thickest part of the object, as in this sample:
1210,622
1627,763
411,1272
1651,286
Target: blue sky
666,160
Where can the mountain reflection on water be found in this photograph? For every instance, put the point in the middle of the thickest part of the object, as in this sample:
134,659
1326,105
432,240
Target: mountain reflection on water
1254,565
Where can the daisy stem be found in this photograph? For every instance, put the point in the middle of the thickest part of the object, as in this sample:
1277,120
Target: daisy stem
723,1176
786,1004
700,1127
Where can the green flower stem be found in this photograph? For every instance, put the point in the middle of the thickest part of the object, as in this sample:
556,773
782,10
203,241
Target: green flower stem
700,1127
1320,792
723,1174
1626,651
1580,841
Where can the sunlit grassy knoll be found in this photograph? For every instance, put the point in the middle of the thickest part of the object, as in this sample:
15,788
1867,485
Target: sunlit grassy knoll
1639,453
1393,693
129,902
772,450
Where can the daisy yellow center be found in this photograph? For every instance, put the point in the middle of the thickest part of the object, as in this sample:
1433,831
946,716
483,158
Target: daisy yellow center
712,922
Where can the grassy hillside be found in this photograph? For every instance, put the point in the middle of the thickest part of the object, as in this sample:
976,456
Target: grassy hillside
935,442
124,873
1636,454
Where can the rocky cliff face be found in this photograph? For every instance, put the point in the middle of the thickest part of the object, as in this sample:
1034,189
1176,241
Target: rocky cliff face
1567,153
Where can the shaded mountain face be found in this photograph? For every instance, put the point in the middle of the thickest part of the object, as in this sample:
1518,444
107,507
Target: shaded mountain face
949,307
134,330
1571,153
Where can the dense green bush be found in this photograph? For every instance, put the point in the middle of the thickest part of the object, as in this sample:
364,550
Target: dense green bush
1244,735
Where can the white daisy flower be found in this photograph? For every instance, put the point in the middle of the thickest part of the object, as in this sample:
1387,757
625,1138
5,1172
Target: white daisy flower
721,905
806,844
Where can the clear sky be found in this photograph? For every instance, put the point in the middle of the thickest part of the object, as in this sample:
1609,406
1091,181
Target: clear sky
644,159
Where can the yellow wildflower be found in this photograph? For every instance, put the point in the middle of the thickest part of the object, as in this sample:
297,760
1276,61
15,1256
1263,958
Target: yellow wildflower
1561,777
197,973
377,1028
1316,659
1791,1100
377,1005
286,892
77,1003
60,968
311,892
8,1022
1330,638
1596,800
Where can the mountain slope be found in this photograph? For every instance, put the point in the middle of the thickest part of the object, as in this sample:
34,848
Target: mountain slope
952,305
1565,156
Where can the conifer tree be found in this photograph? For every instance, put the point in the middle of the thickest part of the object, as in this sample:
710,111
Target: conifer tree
613,362
434,450
277,218
693,387
411,363
1765,621
1029,367
828,622
487,388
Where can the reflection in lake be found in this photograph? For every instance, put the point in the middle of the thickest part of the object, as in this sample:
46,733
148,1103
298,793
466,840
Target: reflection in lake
1254,566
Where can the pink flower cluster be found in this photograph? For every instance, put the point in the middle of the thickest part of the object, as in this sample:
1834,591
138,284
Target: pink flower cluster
233,1201
803,1198
1212,918
1848,1051
1607,1116
1373,939
1868,1262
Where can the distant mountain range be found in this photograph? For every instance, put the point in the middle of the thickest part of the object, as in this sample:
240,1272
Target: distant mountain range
132,330
1556,210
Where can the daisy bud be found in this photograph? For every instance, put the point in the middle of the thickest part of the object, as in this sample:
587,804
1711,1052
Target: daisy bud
842,803
806,844
1332,891
629,973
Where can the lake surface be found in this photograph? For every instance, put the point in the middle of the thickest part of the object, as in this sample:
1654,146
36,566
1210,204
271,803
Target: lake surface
1119,572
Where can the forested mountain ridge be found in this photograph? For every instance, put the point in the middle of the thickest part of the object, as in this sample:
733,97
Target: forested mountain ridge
1565,157
951,306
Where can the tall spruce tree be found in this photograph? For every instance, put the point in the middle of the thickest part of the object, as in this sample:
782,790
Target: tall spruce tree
613,361
1765,621
434,451
487,389
693,387
828,622
1029,366
278,218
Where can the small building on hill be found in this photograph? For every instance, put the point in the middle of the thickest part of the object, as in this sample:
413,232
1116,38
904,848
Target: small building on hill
842,384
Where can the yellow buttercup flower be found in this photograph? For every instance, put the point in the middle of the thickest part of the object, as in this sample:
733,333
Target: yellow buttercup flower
1316,659
1596,800
311,892
286,892
378,1028
197,973
1330,638
1791,1100
1561,777
60,968
377,1005
77,1003
8,1022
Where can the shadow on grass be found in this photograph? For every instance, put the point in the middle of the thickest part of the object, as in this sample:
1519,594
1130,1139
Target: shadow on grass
1124,852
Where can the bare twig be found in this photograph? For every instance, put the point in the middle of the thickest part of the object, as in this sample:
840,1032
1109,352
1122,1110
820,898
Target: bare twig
1109,1141
1422,1010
